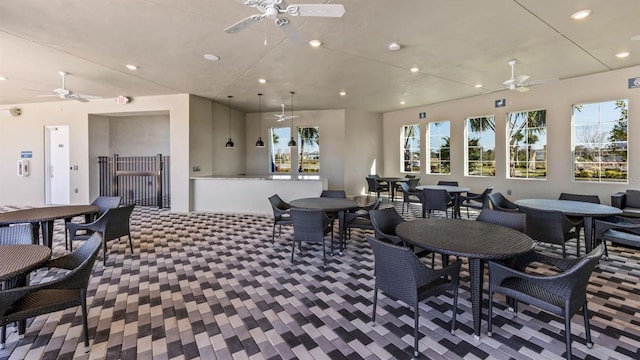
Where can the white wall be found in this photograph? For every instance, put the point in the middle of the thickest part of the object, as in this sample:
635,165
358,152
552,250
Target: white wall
557,98
201,136
139,135
228,161
99,140
363,153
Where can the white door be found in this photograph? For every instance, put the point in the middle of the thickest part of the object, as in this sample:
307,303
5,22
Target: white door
57,172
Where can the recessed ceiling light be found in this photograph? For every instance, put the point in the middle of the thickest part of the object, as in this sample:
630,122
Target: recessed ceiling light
211,57
315,43
394,46
262,81
478,85
131,67
414,69
402,102
343,93
581,14
2,78
623,54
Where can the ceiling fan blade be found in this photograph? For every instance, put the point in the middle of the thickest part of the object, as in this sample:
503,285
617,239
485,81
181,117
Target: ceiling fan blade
46,95
522,88
77,97
509,82
324,10
536,82
88,97
522,78
242,24
288,29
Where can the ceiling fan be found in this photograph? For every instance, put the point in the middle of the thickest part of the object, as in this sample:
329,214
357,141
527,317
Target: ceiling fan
283,116
65,93
271,9
516,83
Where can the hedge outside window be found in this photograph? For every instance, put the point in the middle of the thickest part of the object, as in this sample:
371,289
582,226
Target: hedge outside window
439,136
309,146
481,143
600,142
527,144
280,151
410,151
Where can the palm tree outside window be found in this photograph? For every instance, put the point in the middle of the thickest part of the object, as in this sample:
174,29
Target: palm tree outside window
481,143
309,145
527,144
410,151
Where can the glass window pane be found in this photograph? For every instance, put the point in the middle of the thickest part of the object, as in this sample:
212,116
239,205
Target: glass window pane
527,144
410,148
309,149
280,151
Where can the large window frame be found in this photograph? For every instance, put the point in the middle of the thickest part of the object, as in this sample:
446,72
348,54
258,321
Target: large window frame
527,144
309,149
480,132
280,152
439,147
410,149
599,144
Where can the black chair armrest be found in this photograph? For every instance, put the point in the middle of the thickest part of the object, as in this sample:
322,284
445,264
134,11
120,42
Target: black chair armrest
520,263
426,275
621,224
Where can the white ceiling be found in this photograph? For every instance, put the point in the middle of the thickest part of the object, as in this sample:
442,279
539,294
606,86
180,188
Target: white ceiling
455,43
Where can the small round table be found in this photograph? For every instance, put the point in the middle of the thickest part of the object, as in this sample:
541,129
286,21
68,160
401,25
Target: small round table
478,241
16,260
338,205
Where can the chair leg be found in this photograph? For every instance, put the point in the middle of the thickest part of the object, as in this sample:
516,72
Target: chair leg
3,334
293,248
375,302
454,309
85,327
567,329
587,329
416,314
273,235
130,244
104,252
324,253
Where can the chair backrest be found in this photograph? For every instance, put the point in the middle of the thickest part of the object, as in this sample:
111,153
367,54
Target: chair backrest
309,225
278,203
436,199
413,182
396,268
106,202
448,183
373,184
384,224
546,225
374,176
80,262
118,220
499,202
16,234
514,220
410,176
340,194
579,197
577,277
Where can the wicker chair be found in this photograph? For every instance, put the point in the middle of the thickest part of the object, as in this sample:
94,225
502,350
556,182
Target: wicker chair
437,199
410,193
562,294
501,203
448,183
281,215
310,226
514,220
400,274
617,229
67,291
384,228
578,221
360,219
103,203
113,224
375,186
550,227
476,201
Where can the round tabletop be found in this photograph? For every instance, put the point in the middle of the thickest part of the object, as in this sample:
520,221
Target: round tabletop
20,259
568,207
46,213
449,188
472,239
324,203
393,179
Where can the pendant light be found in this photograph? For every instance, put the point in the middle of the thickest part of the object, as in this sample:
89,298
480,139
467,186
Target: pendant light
292,142
260,143
229,144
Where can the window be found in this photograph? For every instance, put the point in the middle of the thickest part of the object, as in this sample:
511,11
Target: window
410,148
481,143
280,151
600,142
439,135
309,146
527,131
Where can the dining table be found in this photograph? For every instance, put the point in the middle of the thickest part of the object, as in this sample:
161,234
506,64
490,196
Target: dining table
451,189
44,217
588,211
392,181
478,241
20,259
336,205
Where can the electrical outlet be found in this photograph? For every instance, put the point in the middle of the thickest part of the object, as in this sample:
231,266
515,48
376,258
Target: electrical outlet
508,191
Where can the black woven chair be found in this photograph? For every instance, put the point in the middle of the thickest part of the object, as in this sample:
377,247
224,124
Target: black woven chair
69,290
113,224
410,194
578,221
376,187
476,201
400,274
514,220
281,215
550,227
411,178
103,203
384,228
310,226
501,203
617,229
448,183
562,294
360,218
437,199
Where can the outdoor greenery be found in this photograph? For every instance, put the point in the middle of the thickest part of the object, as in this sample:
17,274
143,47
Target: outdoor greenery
309,137
440,147
410,148
527,144
481,146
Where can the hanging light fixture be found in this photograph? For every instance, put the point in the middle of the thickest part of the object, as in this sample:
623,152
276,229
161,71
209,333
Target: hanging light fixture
260,143
229,144
292,142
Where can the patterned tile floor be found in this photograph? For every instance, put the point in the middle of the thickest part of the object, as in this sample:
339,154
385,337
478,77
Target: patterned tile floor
212,286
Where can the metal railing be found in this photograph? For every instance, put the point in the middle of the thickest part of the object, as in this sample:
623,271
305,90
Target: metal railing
140,180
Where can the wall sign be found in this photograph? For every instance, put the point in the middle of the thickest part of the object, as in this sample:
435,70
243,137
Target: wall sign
422,115
501,103
634,83
26,154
